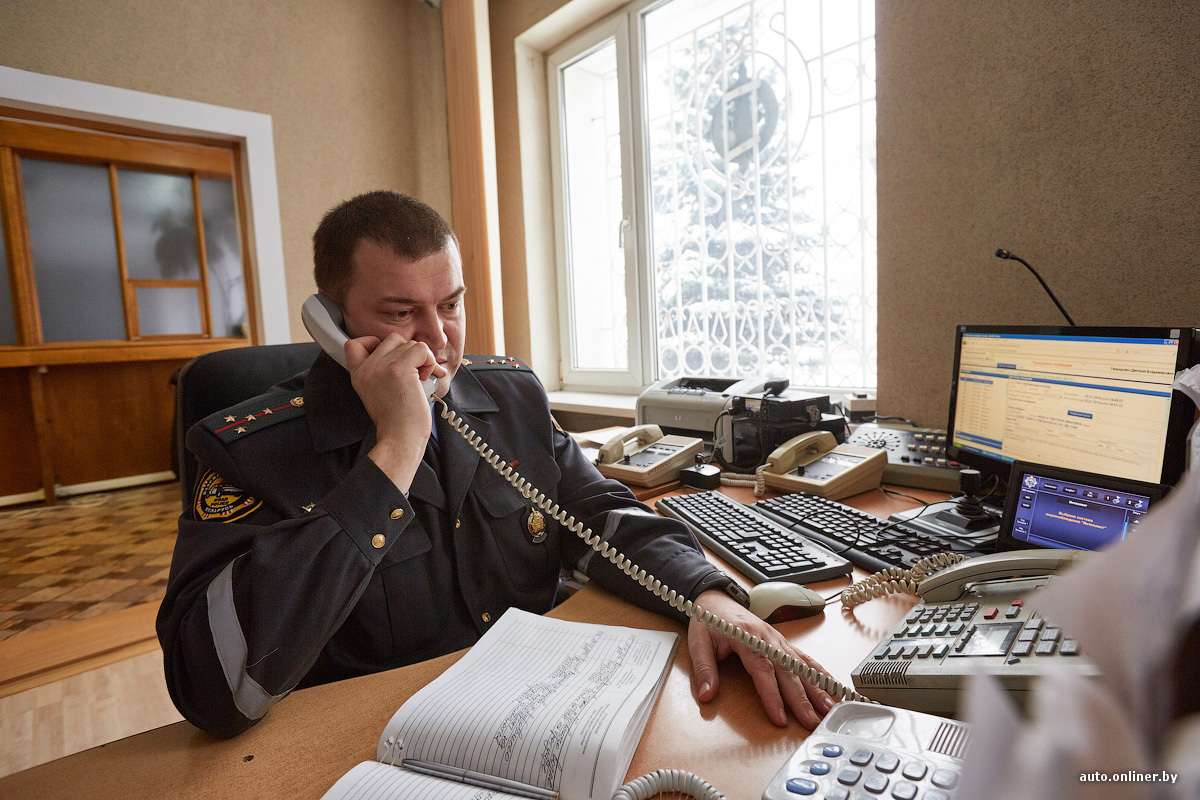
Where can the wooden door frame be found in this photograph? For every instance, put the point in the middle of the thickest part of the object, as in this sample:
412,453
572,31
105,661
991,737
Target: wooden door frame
48,97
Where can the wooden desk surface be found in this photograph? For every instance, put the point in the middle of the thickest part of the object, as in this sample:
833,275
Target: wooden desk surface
314,736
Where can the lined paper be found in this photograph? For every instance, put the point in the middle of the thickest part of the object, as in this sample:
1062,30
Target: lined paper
559,705
371,780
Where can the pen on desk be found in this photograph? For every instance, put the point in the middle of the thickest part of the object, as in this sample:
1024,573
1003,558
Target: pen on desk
479,779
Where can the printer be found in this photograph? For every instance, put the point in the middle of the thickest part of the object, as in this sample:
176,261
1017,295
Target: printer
690,406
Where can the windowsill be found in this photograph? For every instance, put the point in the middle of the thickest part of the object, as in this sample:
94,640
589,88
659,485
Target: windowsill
614,405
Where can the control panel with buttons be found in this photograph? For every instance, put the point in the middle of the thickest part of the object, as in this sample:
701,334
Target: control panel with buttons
916,456
862,750
928,656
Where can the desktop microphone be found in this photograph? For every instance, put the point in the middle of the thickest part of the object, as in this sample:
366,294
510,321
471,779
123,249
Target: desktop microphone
1005,254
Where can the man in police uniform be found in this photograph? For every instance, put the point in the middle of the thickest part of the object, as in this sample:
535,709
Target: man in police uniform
340,528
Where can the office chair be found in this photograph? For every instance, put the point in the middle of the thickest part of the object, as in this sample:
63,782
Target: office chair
213,381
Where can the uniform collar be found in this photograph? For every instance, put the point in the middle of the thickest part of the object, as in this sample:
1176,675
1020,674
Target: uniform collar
337,418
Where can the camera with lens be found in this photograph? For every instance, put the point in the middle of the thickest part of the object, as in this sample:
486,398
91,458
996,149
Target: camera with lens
755,424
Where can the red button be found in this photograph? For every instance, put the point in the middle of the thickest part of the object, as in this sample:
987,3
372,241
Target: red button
1018,602
991,613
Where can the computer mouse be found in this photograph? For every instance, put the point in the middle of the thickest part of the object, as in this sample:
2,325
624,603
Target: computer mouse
779,601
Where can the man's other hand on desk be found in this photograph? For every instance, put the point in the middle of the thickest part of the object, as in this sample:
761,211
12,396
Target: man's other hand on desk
778,688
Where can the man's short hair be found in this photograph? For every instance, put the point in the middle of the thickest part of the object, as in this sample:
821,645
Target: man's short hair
404,225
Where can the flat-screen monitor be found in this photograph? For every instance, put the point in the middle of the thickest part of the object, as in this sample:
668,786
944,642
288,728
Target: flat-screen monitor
1065,508
1091,399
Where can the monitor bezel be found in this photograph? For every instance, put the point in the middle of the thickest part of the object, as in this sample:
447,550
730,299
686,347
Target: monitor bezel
1178,423
1006,541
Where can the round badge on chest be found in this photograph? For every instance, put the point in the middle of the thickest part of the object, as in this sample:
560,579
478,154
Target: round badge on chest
535,523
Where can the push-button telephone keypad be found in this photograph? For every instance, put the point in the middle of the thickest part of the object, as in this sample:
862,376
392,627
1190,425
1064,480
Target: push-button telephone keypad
897,755
948,629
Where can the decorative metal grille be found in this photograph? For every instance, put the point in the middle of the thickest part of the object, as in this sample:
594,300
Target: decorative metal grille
761,142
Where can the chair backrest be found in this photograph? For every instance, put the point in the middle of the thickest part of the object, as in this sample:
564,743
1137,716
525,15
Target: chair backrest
213,381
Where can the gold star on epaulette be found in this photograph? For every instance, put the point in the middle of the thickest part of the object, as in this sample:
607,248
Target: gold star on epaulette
239,429
309,507
267,411
250,418
231,419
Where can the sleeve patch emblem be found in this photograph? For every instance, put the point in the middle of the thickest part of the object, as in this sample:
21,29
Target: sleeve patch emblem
217,499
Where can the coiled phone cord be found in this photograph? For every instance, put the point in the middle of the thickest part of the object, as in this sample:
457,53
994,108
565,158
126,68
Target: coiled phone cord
658,588
758,483
668,780
894,580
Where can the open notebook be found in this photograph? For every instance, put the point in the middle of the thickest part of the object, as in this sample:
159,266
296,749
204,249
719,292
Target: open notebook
538,706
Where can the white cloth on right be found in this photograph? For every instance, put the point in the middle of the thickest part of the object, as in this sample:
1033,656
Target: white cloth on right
1112,737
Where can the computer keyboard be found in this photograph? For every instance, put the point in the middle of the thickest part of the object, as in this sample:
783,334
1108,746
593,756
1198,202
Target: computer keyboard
860,537
755,546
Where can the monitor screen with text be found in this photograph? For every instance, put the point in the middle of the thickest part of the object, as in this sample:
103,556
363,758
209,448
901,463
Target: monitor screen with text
1094,403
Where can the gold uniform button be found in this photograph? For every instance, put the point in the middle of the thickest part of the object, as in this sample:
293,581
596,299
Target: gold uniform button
397,513
458,523
487,617
378,541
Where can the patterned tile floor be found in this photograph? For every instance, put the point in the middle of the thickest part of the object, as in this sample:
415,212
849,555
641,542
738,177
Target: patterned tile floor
85,556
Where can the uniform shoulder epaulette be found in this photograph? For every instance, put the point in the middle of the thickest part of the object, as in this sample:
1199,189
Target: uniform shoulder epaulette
480,363
255,415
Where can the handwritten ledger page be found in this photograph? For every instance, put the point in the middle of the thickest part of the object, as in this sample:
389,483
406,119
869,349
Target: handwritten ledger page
548,703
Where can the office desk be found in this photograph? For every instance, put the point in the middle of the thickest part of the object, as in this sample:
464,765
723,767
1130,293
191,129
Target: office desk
312,737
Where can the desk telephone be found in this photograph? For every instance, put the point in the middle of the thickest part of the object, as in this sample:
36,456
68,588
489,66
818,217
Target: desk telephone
815,463
971,620
889,671
642,456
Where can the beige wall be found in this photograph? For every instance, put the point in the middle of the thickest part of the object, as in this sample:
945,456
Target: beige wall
1066,132
355,88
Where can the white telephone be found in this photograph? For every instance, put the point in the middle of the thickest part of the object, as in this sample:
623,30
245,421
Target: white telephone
815,463
972,619
642,456
889,752
324,321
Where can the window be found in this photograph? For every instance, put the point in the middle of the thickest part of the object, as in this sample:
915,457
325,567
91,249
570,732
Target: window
717,157
118,240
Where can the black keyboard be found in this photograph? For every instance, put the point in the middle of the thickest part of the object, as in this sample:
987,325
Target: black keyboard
857,535
754,545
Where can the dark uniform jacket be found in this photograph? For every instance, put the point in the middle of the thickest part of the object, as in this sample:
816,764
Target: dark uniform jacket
300,562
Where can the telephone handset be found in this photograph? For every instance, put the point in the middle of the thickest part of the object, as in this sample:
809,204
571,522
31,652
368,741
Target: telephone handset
950,583
816,464
642,456
324,321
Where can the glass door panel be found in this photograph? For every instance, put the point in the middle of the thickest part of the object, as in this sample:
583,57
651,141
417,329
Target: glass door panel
69,211
222,248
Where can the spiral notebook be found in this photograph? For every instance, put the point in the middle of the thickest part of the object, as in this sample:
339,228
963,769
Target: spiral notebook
539,707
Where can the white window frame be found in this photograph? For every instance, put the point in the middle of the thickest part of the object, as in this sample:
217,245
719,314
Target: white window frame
96,102
625,25
635,376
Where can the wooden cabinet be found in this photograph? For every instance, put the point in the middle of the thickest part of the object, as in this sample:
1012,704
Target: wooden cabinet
67,428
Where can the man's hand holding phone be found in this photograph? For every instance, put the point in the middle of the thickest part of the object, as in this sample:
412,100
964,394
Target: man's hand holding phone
388,375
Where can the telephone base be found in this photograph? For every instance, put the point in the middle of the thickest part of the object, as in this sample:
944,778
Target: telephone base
987,630
887,752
